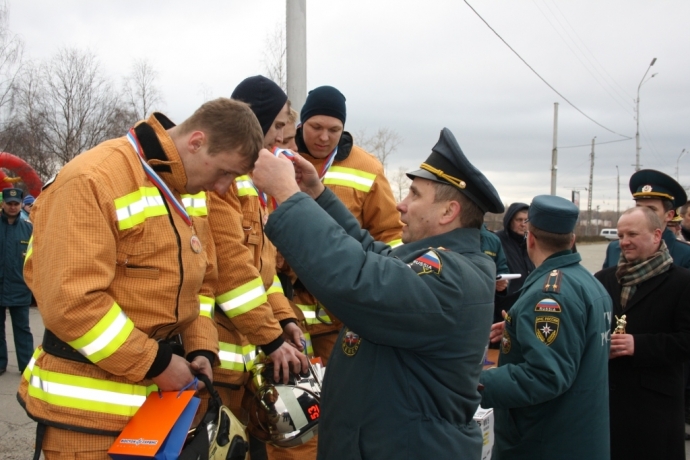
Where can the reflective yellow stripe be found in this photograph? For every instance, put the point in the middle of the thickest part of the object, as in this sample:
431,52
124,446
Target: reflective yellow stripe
243,298
195,204
276,287
134,208
206,306
354,178
309,312
29,249
236,357
106,336
85,393
395,243
245,186
32,362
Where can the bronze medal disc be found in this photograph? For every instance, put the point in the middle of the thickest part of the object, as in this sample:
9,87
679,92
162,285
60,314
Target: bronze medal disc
196,244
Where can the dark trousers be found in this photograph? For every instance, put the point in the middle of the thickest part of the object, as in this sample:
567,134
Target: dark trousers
23,340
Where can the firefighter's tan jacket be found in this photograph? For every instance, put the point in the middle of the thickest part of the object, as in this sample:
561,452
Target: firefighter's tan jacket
112,269
249,298
359,181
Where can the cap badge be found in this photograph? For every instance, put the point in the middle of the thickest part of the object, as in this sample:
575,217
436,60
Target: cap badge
647,188
13,193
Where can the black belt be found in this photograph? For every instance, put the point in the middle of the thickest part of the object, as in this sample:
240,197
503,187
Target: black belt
56,347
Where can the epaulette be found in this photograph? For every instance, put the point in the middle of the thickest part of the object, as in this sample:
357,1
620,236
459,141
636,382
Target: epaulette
553,281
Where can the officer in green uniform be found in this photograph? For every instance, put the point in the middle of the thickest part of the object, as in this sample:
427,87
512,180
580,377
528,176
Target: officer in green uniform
402,379
549,391
663,195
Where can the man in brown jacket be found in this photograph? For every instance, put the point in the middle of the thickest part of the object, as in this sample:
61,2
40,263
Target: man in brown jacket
122,265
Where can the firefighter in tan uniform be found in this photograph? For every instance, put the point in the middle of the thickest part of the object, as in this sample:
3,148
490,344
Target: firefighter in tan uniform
251,309
358,180
122,264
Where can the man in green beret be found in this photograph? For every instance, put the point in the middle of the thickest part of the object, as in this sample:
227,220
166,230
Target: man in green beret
549,391
663,195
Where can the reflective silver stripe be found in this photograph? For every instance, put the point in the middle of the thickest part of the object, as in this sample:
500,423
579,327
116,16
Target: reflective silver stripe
89,394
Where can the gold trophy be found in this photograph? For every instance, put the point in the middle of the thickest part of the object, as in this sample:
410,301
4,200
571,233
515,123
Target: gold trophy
620,325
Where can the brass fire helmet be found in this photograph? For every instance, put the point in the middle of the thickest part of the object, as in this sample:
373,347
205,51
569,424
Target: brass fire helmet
283,415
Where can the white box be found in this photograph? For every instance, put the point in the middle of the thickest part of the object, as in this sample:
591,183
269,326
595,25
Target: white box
485,419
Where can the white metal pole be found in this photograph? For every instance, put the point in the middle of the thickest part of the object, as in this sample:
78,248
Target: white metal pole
296,44
637,118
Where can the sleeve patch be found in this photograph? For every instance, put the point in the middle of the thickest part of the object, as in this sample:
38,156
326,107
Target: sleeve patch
548,305
553,282
546,328
428,262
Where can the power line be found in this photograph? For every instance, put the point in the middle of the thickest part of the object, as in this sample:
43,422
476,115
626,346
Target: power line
598,143
542,78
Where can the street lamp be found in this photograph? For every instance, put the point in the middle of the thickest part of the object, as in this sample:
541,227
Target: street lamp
682,152
637,112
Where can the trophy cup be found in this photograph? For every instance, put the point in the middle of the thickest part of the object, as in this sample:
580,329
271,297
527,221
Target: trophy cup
620,325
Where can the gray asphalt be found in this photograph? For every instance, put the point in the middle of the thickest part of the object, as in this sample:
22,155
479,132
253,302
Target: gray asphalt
17,430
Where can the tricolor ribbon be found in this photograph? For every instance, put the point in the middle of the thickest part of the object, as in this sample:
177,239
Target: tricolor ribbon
157,181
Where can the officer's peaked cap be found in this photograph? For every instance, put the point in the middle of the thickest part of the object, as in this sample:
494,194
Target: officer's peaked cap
448,165
648,183
553,214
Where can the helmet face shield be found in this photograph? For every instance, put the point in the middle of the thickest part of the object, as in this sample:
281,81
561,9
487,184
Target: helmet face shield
284,415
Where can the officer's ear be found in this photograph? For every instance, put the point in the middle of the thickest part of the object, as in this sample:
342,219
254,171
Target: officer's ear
451,211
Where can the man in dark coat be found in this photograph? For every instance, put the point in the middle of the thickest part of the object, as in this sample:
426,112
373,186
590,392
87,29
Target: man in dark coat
646,362
514,244
402,379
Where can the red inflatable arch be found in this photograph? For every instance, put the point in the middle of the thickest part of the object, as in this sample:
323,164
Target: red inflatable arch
21,169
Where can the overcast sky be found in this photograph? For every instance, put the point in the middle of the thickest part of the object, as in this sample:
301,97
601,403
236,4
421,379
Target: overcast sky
416,67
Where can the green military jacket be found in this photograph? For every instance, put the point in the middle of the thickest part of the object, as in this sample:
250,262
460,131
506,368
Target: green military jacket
550,389
491,245
402,378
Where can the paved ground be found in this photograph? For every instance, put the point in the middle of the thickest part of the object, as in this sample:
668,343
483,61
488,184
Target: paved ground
17,430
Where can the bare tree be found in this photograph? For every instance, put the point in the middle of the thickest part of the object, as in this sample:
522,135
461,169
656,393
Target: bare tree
11,51
400,183
275,56
382,144
80,104
140,90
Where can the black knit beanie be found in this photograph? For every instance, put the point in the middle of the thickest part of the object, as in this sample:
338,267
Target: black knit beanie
263,96
324,100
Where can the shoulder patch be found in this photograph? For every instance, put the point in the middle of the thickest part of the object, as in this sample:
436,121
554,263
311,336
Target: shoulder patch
351,343
505,342
548,305
429,262
546,328
553,281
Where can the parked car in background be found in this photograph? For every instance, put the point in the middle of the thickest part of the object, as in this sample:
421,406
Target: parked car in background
609,233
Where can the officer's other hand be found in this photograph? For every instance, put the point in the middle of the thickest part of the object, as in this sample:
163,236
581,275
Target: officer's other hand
275,176
176,376
201,365
307,177
497,329
294,336
287,358
501,285
621,345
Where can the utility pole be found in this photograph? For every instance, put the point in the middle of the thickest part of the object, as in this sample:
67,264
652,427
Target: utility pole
589,190
554,151
618,194
296,50
637,117
682,152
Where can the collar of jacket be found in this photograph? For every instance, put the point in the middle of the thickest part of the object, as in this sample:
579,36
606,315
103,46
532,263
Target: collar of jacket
344,145
460,240
519,239
554,261
160,151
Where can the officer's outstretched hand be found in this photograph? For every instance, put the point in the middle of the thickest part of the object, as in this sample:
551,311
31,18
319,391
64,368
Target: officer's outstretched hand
307,177
286,358
176,376
275,176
